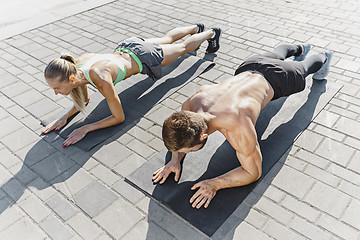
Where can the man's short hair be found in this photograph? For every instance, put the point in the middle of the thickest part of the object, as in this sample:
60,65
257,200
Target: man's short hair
182,130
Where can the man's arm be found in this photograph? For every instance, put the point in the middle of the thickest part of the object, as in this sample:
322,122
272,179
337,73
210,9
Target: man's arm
248,154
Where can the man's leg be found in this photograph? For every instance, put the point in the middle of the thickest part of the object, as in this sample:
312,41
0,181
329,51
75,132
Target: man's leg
284,51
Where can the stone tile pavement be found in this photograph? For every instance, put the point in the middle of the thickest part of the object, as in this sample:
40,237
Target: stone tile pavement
48,192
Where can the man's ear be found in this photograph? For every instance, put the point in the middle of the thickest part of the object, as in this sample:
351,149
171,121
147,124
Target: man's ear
203,136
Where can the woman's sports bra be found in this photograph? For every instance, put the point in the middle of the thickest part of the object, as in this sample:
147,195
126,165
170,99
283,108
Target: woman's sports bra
85,66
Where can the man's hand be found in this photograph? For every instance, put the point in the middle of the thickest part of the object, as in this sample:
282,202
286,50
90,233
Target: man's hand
204,195
75,136
163,173
57,124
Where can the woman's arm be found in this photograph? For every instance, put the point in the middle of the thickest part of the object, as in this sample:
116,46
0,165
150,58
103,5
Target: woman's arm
103,80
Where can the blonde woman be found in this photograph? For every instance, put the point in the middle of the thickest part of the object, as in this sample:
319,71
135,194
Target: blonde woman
68,76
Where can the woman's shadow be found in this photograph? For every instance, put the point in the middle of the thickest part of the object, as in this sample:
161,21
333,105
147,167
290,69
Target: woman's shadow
47,163
274,145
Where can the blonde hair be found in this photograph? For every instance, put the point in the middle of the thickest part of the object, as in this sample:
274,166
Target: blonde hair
64,67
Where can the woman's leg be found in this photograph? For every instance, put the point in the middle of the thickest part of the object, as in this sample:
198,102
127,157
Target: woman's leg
174,35
174,51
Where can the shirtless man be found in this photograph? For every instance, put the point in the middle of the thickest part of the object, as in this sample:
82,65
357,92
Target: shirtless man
232,107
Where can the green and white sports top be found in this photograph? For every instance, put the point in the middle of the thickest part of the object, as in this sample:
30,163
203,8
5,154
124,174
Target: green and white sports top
85,66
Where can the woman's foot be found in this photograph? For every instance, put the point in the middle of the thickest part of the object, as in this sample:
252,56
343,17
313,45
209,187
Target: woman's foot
214,41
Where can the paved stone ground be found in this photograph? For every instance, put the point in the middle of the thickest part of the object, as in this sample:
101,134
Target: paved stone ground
53,193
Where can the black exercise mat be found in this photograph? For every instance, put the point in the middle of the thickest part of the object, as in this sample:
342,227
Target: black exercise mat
138,94
278,126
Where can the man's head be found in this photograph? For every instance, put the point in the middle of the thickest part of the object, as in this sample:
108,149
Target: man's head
184,131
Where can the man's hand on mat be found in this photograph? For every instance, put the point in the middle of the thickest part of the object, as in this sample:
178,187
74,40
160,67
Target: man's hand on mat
75,136
163,173
204,195
57,124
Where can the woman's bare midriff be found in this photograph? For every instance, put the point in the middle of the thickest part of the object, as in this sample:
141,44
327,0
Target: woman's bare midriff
131,65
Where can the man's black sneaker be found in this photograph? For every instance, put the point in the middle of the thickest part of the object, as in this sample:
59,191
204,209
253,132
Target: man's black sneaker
214,41
201,27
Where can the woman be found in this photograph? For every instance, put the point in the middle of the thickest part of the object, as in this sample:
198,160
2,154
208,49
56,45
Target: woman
68,76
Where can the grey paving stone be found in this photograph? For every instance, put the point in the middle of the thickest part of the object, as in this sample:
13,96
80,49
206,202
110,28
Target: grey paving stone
127,191
307,229
8,215
172,223
15,190
160,115
273,193
41,189
94,199
256,219
19,139
72,181
23,173
335,151
341,230
327,199
293,181
140,148
279,231
350,188
56,229
312,158
344,173
27,98
246,231
355,163
22,229
42,107
52,166
327,132
35,209
348,126
140,134
112,154
17,112
111,222
15,89
8,159
35,152
104,174
322,175
147,230
84,226
61,206
8,125
302,209
275,211
309,140
350,215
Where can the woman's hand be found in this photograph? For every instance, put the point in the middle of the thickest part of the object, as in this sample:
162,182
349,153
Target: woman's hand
76,136
57,124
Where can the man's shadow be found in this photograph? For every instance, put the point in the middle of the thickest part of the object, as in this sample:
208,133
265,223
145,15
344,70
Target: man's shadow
53,164
275,146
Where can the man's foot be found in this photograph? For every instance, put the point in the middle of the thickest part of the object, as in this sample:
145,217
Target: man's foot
214,41
201,27
324,70
305,50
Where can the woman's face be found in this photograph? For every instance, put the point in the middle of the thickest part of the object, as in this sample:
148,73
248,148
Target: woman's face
62,87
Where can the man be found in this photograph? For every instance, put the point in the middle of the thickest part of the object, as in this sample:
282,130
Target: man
232,108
